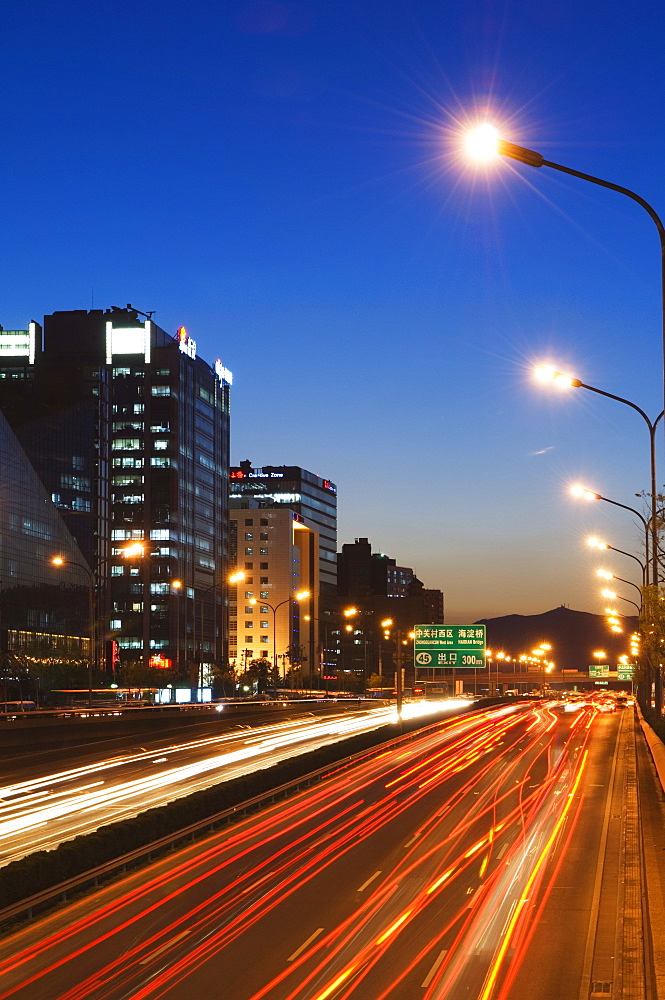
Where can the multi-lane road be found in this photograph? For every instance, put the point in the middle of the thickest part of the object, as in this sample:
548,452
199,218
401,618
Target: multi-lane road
464,861
45,803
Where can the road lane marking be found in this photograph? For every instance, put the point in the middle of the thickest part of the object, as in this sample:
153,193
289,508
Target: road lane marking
302,947
432,972
258,881
370,879
163,948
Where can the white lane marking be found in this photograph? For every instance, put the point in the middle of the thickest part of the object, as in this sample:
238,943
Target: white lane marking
370,879
163,948
302,947
430,975
258,881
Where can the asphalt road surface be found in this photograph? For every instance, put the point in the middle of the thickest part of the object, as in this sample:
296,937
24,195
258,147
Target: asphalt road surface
461,862
49,797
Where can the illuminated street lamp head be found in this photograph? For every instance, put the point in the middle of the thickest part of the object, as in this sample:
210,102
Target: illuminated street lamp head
302,595
609,593
604,574
176,584
616,628
386,623
600,654
135,549
546,374
596,543
57,561
582,491
349,612
237,577
482,142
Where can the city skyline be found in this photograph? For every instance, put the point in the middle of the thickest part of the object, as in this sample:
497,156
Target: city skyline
286,181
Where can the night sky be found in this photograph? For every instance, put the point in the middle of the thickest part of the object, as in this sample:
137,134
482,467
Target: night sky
287,180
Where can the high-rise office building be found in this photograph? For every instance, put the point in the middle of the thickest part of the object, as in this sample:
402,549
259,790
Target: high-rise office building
380,590
305,493
277,551
314,499
128,430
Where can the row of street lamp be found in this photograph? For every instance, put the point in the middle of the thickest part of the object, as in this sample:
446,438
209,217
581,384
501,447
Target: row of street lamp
485,143
137,550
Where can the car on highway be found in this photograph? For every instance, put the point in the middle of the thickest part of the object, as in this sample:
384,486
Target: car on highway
606,706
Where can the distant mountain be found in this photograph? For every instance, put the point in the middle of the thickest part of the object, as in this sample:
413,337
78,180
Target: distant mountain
573,635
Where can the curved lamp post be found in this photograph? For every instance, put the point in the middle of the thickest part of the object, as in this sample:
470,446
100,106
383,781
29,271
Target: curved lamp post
300,596
546,374
606,575
618,597
485,143
585,494
596,543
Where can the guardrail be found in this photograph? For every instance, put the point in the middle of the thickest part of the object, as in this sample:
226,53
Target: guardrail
208,708
26,908
656,748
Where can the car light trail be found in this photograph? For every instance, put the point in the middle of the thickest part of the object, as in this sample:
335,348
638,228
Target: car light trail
38,805
498,804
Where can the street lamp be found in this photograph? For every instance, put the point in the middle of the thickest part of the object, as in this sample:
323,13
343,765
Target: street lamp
326,623
133,550
499,656
596,543
301,595
617,597
606,575
60,561
485,143
176,586
547,374
585,494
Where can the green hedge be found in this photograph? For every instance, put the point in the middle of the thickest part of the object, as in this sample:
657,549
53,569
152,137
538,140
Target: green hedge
44,869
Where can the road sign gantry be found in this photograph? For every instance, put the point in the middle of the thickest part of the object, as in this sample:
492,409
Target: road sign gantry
440,647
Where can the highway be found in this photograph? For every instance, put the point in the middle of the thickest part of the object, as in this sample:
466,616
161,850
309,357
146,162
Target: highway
40,808
459,862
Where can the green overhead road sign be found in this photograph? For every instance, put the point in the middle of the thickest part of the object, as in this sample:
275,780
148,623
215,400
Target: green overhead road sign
599,670
436,647
625,671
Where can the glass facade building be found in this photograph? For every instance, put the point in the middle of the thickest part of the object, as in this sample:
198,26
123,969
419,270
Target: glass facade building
128,430
43,610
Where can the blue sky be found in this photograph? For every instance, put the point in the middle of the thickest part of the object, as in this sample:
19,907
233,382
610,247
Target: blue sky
285,179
